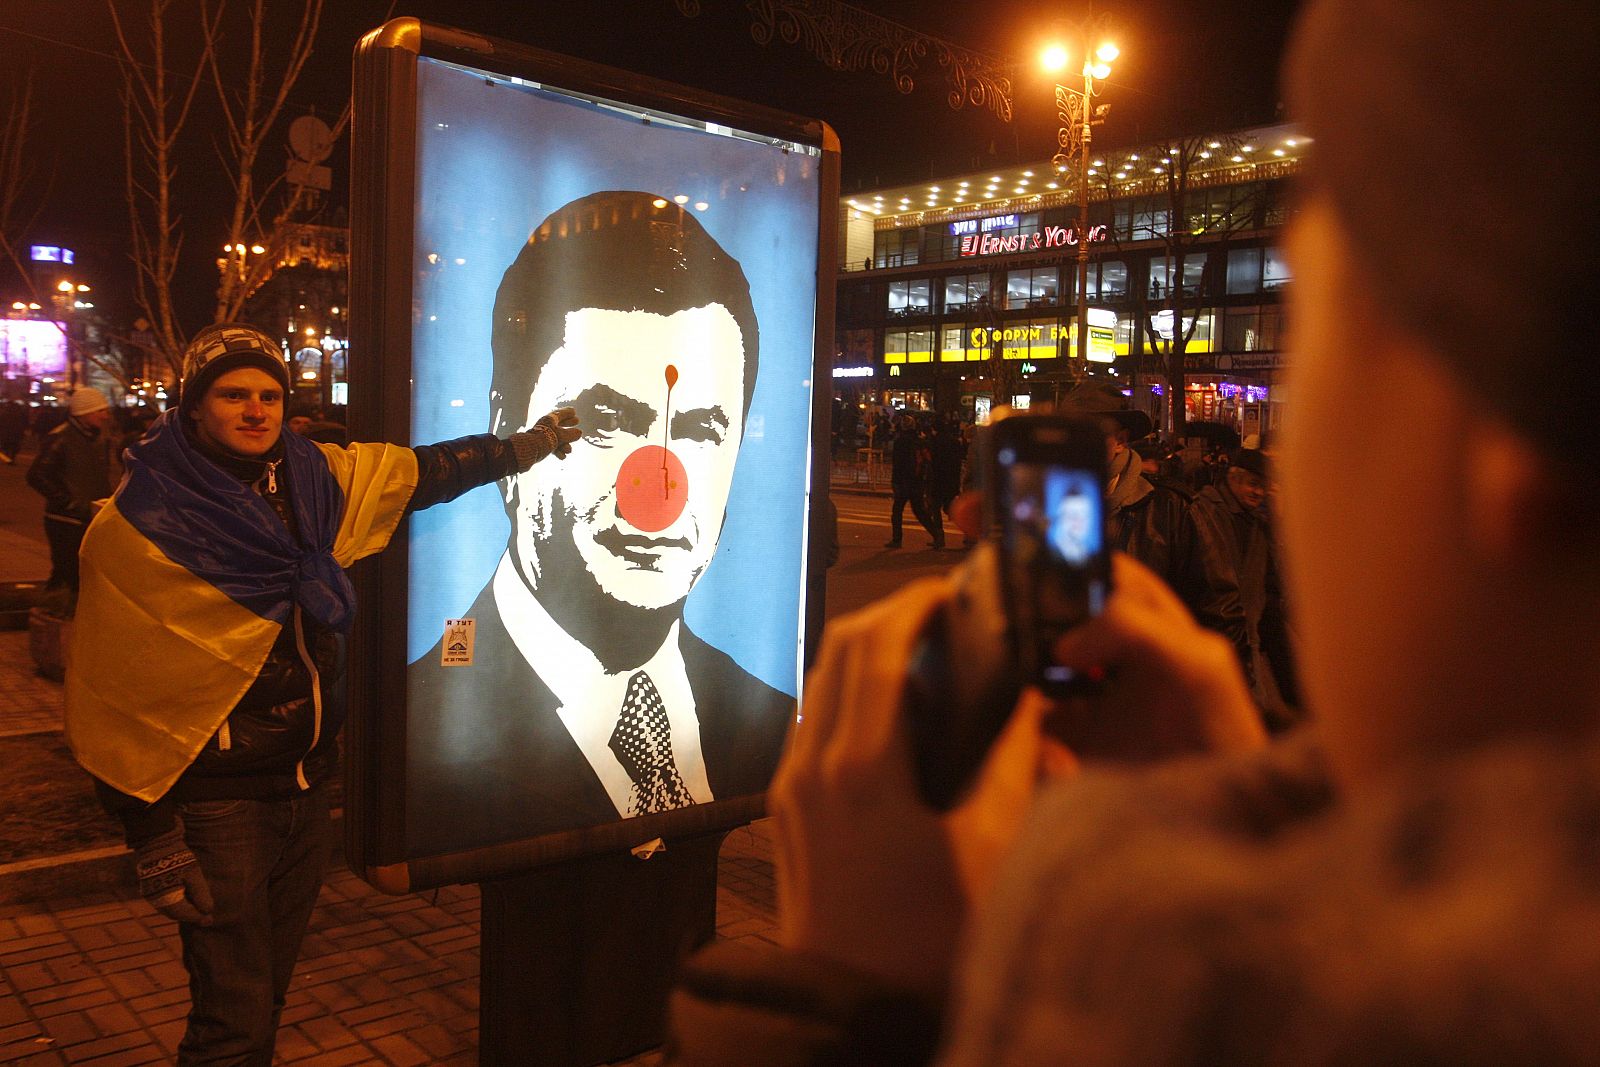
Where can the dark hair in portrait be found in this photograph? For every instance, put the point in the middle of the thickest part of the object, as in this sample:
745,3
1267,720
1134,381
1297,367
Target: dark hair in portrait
613,251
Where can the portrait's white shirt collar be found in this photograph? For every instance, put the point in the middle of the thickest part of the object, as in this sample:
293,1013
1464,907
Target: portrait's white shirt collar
589,698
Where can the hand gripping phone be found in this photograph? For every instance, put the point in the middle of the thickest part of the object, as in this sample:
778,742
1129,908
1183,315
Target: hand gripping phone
1043,569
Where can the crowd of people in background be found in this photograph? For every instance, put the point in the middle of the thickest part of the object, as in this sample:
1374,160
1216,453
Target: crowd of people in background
1197,512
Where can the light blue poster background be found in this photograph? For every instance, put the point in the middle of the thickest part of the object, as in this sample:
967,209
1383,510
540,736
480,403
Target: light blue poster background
494,159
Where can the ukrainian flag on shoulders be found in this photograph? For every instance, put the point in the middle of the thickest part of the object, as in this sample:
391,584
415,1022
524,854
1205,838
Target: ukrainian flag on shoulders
187,578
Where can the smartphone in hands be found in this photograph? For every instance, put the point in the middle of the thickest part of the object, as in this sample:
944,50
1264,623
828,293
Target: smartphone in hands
1046,500
1042,569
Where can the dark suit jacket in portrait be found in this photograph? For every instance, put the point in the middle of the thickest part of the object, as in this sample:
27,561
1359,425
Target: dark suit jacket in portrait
489,760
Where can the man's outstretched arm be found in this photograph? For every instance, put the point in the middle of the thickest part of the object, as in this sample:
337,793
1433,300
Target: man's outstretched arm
449,468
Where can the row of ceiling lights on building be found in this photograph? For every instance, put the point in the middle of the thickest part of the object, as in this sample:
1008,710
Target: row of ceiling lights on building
1124,172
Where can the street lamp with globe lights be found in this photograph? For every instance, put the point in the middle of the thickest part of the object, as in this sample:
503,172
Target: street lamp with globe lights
1078,116
235,259
68,301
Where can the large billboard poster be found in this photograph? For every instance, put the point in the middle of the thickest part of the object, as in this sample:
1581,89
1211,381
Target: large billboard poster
615,635
32,347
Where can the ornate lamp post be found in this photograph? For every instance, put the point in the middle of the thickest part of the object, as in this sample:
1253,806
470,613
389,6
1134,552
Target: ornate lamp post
235,265
1078,116
69,301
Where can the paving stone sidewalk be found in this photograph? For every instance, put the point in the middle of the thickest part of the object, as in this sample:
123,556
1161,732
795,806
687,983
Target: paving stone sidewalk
97,979
29,704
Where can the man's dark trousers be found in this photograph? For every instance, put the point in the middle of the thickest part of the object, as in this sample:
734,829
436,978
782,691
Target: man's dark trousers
930,518
65,537
263,861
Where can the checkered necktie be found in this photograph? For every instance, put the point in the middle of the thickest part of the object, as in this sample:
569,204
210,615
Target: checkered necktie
642,742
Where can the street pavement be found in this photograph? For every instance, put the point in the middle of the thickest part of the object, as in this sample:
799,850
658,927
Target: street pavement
23,554
90,974
866,570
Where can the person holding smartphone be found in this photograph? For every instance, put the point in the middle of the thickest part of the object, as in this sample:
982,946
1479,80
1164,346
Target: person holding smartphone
1140,876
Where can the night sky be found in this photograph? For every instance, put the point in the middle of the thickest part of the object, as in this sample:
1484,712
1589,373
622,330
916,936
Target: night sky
1186,67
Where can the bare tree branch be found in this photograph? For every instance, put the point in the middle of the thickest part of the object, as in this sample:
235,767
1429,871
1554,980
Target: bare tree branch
15,168
155,115
249,122
253,89
1181,170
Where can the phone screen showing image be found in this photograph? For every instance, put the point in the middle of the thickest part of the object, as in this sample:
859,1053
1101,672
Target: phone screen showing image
1053,542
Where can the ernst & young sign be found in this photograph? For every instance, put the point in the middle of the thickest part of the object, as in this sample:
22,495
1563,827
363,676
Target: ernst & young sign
989,244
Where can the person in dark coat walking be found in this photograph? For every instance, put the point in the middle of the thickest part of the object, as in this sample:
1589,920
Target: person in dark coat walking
1146,520
1156,522
1235,564
13,428
72,470
948,453
910,465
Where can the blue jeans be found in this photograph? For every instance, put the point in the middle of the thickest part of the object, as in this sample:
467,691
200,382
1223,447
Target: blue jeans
263,861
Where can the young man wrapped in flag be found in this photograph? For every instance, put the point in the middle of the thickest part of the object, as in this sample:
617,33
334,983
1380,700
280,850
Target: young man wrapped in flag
204,683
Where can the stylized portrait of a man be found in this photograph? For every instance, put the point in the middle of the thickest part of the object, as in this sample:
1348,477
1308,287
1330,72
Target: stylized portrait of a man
587,698
1072,525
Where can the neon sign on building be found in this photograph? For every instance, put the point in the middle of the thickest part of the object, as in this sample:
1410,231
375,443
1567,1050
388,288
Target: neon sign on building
993,222
50,254
989,244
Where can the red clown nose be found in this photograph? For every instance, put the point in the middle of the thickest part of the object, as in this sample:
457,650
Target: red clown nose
652,487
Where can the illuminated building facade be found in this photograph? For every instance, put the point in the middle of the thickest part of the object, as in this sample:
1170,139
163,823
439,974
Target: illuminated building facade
962,292
304,299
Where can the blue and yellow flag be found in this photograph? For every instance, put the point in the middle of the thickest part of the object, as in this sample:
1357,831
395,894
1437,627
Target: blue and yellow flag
187,578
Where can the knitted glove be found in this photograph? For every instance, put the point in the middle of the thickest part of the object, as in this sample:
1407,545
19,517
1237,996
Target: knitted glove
553,433
170,879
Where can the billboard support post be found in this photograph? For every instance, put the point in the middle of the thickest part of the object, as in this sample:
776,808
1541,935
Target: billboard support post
577,959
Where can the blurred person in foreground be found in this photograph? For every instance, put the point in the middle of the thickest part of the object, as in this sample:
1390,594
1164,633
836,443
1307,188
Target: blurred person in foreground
205,682
1416,882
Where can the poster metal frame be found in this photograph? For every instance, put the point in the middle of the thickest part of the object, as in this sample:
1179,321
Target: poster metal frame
383,195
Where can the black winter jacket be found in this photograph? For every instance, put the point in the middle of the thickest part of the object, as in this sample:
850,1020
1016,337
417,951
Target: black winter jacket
1240,570
72,471
1155,530
272,745
1194,542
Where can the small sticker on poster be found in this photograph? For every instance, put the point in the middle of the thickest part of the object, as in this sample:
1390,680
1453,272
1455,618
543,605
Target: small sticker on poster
457,647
